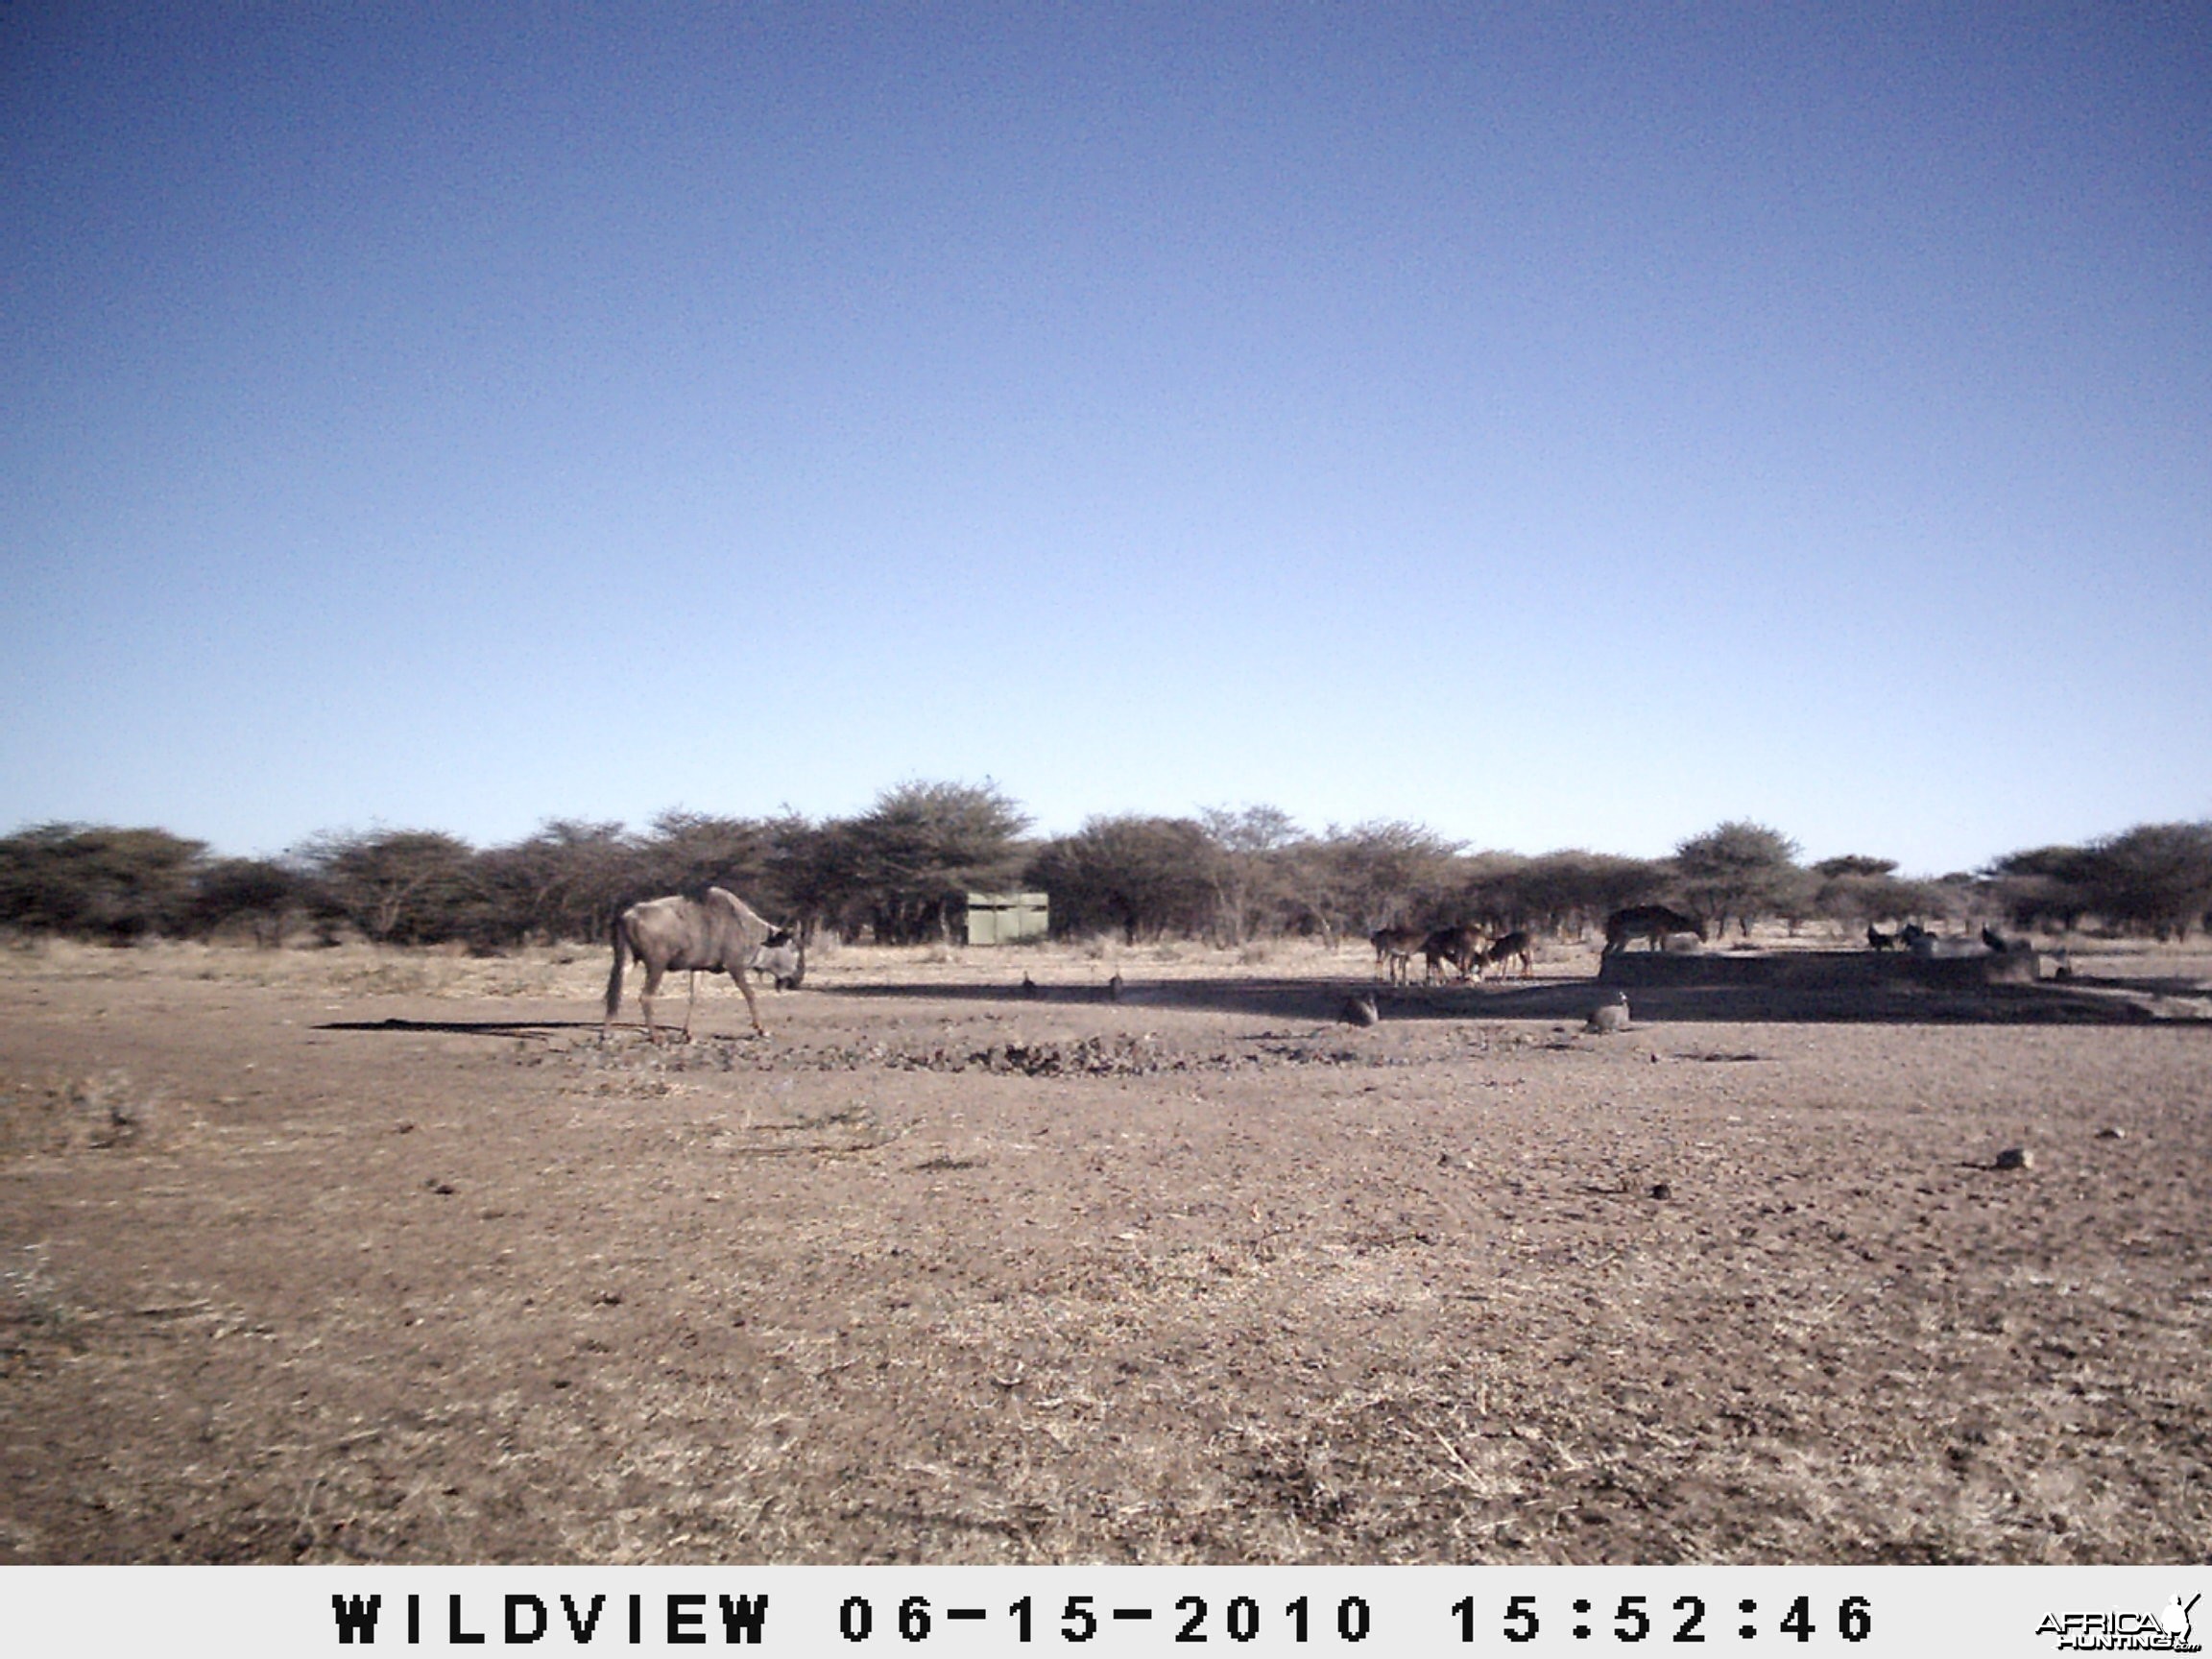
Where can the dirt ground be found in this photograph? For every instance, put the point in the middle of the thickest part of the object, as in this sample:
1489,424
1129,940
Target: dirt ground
337,1254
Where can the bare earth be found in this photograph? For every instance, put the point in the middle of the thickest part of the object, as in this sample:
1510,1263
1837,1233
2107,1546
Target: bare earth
328,1255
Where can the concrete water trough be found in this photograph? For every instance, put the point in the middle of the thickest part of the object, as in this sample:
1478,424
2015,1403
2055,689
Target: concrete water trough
1821,970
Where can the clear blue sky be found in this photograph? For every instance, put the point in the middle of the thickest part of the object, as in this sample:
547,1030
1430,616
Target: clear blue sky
1556,425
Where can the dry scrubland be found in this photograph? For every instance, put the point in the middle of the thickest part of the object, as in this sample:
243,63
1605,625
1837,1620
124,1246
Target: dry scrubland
339,1255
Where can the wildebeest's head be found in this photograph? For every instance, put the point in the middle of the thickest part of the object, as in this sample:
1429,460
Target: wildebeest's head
782,958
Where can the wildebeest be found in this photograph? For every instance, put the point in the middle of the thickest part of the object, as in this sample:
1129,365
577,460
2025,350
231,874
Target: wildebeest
1877,940
717,934
1513,945
1995,940
1460,947
1394,946
1653,922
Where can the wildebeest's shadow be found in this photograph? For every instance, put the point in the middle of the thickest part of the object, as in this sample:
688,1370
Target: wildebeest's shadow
463,1027
1324,999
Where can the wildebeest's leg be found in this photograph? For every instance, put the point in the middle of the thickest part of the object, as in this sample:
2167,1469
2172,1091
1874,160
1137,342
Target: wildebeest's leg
690,1001
653,972
752,1003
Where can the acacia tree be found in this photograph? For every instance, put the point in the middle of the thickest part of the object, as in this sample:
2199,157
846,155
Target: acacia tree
2156,877
1379,873
567,881
98,882
1143,875
2045,886
1742,869
690,852
912,858
1572,890
1856,891
799,881
817,874
398,886
1854,864
266,896
1252,867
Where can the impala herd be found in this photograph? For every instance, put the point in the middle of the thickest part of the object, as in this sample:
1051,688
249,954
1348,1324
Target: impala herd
1463,952
1449,953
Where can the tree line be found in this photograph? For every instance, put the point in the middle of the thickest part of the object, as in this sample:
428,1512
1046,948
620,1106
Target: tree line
900,872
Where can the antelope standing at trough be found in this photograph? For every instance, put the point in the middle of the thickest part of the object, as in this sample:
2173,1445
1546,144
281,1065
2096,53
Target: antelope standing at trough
1459,946
1394,948
1513,947
718,934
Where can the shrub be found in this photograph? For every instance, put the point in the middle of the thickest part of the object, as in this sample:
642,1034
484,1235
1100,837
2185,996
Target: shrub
97,881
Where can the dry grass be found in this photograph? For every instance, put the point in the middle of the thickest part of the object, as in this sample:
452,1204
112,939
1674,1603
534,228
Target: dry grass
58,1114
343,970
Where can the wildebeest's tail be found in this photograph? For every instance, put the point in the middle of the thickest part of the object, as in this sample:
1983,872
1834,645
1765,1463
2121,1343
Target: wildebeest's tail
621,962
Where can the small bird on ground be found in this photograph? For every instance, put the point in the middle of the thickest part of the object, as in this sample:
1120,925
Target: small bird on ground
1610,1016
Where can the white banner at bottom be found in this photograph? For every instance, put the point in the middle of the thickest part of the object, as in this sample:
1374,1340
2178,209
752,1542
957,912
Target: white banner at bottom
1988,1612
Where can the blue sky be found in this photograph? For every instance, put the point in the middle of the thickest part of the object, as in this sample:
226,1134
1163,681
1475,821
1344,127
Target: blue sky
1554,425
